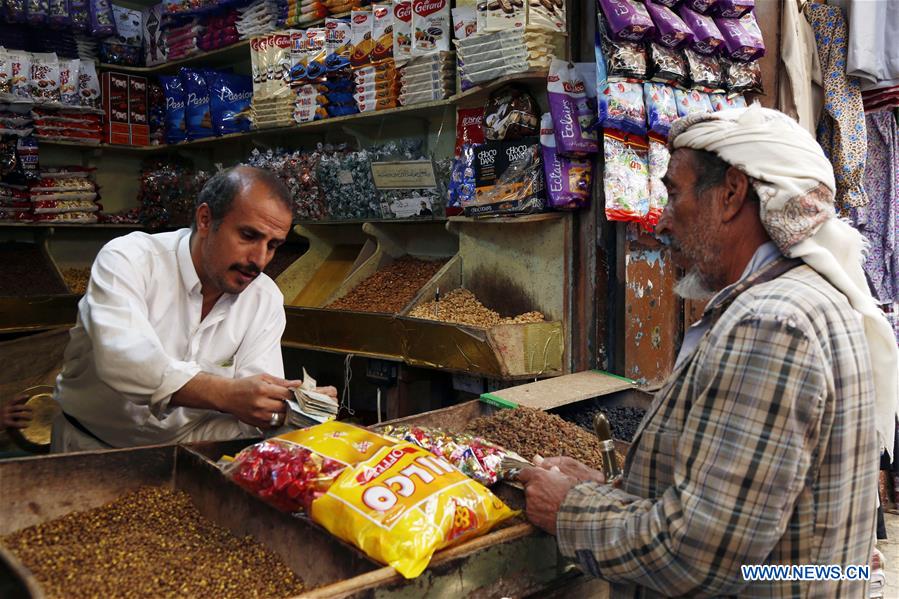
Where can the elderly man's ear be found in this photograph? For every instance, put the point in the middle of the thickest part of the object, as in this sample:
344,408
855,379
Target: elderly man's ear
736,193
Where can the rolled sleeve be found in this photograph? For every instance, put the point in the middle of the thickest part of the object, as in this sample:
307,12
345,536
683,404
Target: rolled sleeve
176,375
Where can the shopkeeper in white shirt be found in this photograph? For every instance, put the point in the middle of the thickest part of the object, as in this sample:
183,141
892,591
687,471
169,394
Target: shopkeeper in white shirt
178,337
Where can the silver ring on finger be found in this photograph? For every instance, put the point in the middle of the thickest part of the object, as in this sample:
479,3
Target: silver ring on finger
275,420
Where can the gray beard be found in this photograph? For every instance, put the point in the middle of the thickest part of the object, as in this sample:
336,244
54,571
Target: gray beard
692,287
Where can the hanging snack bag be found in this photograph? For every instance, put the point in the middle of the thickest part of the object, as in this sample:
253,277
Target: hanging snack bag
431,26
621,107
721,102
667,65
338,34
625,178
230,97
661,109
508,178
102,18
44,77
658,194
197,115
510,113
175,127
621,59
361,29
628,20
89,84
705,70
69,71
691,102
402,31
469,127
742,37
707,39
742,77
733,9
20,66
547,15
382,33
571,111
568,180
37,11
703,7
403,504
292,470
671,30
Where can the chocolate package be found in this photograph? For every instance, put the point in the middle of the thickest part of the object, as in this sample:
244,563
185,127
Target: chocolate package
742,37
431,27
510,113
667,65
382,33
37,12
69,71
509,178
705,70
102,20
627,20
175,127
155,51
402,31
619,58
733,9
743,77
703,7
230,97
89,84
44,77
670,28
197,114
568,180
469,127
707,39
571,111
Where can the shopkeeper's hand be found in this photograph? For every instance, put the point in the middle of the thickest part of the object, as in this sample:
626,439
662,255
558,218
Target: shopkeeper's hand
254,399
571,467
329,391
544,492
14,413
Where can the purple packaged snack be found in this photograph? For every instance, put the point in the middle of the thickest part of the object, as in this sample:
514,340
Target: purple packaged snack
102,18
742,37
627,19
14,11
733,9
670,28
568,180
668,3
37,11
78,10
197,115
571,111
706,37
703,7
175,129
60,14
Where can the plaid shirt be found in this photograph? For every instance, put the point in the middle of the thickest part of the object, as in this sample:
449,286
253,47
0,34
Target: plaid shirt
759,449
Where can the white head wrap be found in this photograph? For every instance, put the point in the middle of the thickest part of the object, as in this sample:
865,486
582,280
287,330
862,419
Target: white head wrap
795,184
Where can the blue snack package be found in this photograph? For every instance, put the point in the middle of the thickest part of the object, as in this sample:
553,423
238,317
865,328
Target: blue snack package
462,184
175,127
621,107
197,116
661,109
230,97
691,102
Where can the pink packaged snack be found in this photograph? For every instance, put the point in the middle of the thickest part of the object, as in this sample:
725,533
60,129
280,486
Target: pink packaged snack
670,28
742,37
733,9
627,19
706,37
571,111
568,180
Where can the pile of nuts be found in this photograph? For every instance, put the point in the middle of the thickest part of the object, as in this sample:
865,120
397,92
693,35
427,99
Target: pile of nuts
76,279
529,432
152,542
462,307
391,288
27,271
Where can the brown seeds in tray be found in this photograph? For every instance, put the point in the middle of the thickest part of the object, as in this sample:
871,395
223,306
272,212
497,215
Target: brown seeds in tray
391,288
152,542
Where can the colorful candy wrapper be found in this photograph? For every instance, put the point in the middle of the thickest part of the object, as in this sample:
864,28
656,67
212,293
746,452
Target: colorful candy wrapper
691,102
706,37
621,107
703,7
724,102
705,70
667,65
627,19
626,178
571,111
291,471
568,180
733,9
742,37
671,30
658,193
742,77
404,504
618,59
661,109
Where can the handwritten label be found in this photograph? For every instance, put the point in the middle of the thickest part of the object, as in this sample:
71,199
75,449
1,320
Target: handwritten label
411,174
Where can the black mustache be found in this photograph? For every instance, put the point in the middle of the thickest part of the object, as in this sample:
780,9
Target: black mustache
250,269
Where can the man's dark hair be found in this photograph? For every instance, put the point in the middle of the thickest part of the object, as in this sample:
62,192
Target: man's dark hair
221,190
711,170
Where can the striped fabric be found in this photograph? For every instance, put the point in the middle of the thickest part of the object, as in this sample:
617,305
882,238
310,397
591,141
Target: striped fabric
760,449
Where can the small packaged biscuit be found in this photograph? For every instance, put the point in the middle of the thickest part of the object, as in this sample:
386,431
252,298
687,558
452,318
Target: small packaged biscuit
430,26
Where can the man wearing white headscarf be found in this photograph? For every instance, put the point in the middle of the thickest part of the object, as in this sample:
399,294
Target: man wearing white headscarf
762,447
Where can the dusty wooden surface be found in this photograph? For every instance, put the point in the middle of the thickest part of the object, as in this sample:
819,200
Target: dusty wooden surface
563,390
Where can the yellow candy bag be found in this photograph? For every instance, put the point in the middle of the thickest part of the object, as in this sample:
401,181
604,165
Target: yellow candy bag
403,504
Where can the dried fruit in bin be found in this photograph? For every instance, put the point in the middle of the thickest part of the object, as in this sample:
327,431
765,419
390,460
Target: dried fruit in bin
404,504
292,470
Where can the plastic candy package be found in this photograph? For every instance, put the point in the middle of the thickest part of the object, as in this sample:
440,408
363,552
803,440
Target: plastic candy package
658,193
705,70
661,109
568,180
733,9
298,171
404,504
510,113
20,70
37,11
571,110
45,77
623,59
230,97
292,470
621,107
175,126
462,183
671,31
627,20
197,115
742,37
667,65
706,37
743,77
724,102
691,102
508,178
102,20
626,178
89,84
